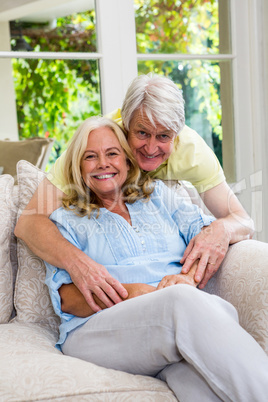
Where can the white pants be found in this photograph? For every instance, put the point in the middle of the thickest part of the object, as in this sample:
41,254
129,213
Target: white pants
186,337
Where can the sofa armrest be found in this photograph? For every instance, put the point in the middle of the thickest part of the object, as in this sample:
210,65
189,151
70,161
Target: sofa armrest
242,280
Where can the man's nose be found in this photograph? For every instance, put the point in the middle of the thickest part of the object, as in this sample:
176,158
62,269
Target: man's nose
151,145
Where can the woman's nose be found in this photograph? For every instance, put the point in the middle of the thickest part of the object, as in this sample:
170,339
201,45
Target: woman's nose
103,161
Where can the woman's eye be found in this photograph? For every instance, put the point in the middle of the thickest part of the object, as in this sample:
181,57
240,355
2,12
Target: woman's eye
112,154
90,156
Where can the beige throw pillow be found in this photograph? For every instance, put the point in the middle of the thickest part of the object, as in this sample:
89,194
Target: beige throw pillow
7,222
32,301
34,150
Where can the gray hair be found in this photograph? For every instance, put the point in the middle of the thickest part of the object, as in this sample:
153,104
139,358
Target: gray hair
158,98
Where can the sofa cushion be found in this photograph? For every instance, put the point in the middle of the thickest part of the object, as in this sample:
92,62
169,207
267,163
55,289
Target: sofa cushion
32,369
7,221
32,301
242,280
34,150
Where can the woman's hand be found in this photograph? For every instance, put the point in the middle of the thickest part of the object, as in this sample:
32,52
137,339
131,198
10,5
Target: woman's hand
171,280
210,247
188,279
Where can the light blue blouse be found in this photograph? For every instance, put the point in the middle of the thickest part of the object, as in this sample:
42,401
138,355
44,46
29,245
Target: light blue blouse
142,253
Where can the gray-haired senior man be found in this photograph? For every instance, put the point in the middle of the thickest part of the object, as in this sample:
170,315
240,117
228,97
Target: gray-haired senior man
153,118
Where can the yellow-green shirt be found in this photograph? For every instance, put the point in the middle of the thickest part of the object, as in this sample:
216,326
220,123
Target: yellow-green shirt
192,160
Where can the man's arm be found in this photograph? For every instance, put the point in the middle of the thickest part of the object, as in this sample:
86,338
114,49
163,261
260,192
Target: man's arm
211,244
44,239
73,302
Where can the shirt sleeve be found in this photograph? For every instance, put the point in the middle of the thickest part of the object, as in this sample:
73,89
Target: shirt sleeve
56,277
56,174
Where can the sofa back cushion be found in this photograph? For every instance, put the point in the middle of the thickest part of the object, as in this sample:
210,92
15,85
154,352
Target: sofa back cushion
35,150
32,301
7,222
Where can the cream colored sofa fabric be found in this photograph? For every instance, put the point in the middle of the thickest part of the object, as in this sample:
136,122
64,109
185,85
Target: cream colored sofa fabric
32,369
6,221
243,281
32,301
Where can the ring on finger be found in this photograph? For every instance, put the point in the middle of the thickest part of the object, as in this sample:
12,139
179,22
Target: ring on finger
212,263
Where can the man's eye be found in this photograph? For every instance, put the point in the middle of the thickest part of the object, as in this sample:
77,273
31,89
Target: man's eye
141,134
164,138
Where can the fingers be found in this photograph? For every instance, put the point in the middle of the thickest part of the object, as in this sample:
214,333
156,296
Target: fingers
98,286
210,270
118,289
188,258
106,293
161,285
205,268
167,281
90,301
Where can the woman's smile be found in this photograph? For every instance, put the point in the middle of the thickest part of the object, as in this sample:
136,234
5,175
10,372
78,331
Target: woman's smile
104,176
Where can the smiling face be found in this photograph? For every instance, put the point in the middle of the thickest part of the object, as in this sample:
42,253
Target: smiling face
151,145
104,166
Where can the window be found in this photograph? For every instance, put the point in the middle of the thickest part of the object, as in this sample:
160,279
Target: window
190,42
56,87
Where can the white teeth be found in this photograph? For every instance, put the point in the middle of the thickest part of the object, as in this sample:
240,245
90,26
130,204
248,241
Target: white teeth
150,157
105,176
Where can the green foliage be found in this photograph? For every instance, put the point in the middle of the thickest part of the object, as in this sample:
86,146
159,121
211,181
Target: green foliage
55,96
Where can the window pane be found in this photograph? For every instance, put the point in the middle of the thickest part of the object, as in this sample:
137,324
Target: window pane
64,33
200,83
54,96
182,26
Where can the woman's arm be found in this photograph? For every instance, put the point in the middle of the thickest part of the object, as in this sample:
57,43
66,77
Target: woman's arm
45,240
73,302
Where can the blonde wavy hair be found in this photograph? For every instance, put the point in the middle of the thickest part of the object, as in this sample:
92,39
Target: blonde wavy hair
79,198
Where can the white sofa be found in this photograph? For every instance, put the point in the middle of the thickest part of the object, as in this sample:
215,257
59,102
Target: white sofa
32,369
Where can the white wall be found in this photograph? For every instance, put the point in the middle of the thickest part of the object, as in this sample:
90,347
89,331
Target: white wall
8,114
250,102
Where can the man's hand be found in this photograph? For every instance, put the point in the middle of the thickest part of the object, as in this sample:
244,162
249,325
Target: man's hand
92,278
212,243
210,247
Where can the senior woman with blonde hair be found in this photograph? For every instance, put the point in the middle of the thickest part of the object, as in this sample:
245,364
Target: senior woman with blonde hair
166,328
